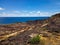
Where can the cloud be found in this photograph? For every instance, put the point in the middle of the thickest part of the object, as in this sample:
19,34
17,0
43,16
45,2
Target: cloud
16,11
38,11
1,8
26,14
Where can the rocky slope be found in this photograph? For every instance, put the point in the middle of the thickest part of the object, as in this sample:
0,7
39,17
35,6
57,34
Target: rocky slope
21,33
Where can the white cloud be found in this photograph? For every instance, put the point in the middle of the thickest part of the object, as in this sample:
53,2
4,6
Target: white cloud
38,11
16,11
32,12
45,14
24,11
26,14
1,8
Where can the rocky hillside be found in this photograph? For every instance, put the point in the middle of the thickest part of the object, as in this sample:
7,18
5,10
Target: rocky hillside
21,33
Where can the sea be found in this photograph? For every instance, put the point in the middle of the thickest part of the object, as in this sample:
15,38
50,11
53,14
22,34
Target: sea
10,20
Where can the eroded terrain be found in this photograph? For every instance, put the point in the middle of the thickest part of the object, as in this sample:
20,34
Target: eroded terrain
20,33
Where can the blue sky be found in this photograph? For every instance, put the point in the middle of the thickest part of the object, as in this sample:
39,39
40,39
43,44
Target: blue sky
29,8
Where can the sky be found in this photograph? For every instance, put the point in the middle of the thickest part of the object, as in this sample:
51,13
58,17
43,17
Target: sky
29,8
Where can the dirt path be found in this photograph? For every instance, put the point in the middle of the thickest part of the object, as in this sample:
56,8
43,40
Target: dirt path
15,33
18,32
44,24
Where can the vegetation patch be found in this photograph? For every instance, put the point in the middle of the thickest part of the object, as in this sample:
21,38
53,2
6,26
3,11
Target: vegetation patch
35,40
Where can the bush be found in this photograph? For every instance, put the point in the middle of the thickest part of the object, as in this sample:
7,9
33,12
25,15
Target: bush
35,40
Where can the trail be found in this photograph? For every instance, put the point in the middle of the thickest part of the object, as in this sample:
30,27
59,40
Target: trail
15,33
44,24
18,32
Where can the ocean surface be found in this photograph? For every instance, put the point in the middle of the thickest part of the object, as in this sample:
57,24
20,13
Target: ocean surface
10,20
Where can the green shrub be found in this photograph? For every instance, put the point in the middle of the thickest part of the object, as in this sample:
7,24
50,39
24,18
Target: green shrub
35,40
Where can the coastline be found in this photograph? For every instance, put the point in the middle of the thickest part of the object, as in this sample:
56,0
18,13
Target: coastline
12,20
